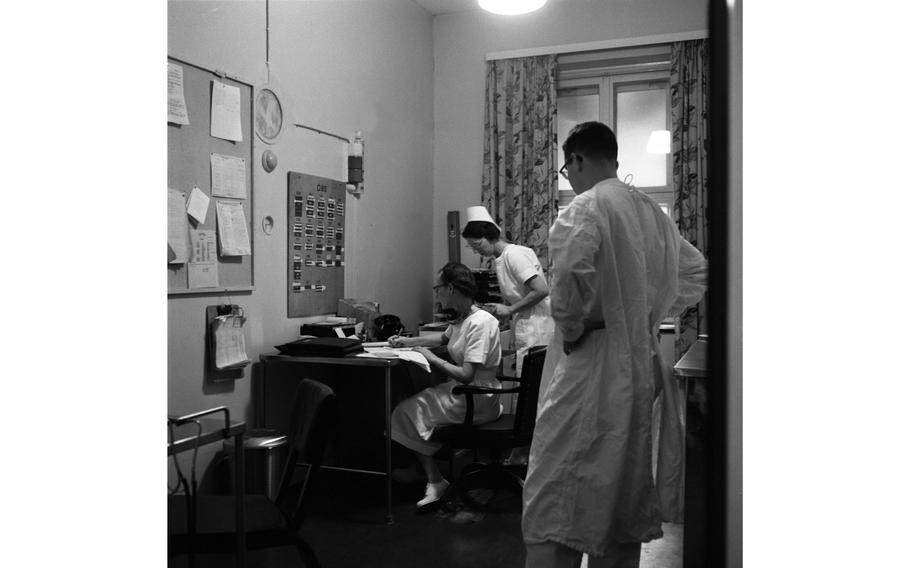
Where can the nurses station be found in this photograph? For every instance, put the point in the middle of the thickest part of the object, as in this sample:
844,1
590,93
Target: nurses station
437,283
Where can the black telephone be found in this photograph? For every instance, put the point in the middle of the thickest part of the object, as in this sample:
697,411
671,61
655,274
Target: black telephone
386,326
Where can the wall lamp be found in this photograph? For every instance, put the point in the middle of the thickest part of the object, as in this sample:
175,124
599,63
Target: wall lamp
658,142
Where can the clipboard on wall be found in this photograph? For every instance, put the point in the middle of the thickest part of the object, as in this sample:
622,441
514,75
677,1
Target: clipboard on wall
227,356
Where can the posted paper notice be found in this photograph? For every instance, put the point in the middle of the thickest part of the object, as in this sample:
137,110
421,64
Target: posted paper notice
198,205
226,112
228,176
177,227
203,243
176,103
202,275
232,228
202,269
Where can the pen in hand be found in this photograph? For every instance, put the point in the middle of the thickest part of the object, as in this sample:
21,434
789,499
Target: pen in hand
396,341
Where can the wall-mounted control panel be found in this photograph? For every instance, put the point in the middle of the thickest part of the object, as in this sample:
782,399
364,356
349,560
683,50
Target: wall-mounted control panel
316,230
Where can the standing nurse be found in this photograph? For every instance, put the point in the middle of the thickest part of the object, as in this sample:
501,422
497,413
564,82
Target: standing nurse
521,282
524,289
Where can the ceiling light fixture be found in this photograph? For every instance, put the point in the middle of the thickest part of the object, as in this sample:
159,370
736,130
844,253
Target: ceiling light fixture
510,7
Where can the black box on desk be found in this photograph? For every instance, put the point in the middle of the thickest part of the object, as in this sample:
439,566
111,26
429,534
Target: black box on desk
328,330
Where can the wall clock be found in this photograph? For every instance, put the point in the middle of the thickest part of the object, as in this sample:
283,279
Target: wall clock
269,116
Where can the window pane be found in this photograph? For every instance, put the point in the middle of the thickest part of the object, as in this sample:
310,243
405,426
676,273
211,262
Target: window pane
638,113
572,108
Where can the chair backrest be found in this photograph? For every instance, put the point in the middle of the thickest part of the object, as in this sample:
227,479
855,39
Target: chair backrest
312,410
526,406
313,416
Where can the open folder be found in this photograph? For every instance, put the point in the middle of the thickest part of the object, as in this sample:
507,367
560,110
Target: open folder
381,350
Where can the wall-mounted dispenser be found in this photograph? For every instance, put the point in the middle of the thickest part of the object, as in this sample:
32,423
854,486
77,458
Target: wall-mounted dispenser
355,165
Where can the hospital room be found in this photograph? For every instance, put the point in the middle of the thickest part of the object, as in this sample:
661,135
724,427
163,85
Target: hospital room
442,280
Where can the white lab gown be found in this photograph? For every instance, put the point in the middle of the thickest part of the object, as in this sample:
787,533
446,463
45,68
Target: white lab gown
619,259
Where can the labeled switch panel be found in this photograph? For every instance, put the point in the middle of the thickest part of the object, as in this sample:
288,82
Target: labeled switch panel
315,244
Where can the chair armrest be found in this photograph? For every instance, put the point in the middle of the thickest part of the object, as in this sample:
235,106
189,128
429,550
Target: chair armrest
472,390
501,378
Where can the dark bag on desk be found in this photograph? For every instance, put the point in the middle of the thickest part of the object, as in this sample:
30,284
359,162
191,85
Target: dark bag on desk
321,347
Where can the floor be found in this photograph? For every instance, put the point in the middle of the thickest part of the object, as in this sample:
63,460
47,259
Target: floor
345,527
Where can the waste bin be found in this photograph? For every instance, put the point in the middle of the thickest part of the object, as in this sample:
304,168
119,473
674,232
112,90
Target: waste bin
264,454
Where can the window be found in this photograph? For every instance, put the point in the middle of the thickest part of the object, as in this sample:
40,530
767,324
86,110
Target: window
628,90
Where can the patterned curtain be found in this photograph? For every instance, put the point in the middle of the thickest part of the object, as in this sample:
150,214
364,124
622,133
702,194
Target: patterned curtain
689,117
520,149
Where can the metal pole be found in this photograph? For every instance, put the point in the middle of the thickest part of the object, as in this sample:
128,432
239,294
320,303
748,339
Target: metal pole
389,519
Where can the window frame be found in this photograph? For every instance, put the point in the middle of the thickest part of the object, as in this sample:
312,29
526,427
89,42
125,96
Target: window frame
606,74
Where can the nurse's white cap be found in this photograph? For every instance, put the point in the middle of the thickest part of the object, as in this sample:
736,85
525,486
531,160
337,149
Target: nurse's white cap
480,213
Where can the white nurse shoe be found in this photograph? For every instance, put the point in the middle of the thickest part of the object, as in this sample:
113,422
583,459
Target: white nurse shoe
434,493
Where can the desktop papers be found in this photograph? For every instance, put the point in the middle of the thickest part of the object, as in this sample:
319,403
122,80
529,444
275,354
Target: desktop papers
228,176
176,103
226,112
232,231
202,269
396,353
177,227
198,205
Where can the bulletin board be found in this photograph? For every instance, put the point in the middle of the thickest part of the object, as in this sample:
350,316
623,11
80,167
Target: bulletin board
190,150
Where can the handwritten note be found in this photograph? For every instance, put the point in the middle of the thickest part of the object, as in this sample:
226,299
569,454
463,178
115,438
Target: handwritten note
176,103
226,112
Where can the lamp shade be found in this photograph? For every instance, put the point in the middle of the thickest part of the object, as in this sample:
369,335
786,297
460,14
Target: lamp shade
659,142
510,7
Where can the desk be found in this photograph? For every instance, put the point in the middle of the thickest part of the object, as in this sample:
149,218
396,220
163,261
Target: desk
693,369
187,436
280,374
695,362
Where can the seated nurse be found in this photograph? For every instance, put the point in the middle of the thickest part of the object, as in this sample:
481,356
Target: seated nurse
472,339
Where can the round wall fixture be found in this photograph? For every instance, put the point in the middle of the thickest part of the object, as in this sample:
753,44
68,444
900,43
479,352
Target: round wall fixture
268,224
269,161
269,116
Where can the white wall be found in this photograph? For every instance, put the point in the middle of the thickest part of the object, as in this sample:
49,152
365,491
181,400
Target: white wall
342,65
461,42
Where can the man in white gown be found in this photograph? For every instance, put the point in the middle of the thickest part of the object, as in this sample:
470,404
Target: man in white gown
619,268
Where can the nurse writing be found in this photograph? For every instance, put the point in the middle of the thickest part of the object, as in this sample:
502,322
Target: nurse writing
472,339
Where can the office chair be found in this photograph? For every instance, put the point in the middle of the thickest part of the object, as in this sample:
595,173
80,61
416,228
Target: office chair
269,524
507,432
